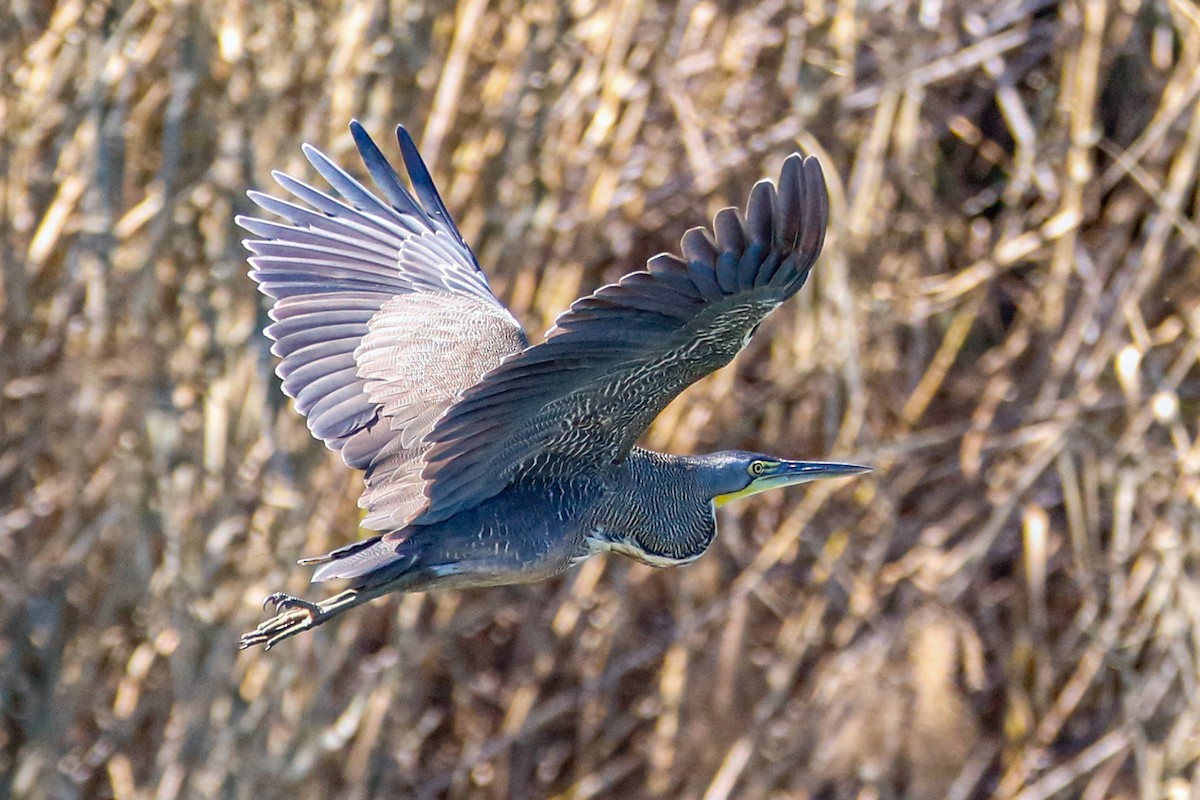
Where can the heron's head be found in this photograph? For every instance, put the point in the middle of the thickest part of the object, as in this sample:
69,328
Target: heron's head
735,474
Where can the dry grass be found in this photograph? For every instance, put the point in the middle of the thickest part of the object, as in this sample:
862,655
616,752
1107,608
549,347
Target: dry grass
1006,322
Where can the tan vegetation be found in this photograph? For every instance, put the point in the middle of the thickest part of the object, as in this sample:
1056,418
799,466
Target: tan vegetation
1006,322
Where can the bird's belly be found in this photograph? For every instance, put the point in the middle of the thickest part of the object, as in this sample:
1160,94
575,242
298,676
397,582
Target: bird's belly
470,551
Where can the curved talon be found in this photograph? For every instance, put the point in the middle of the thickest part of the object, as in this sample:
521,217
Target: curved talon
283,601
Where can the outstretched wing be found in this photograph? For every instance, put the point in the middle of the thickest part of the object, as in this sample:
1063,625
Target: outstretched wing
382,316
614,360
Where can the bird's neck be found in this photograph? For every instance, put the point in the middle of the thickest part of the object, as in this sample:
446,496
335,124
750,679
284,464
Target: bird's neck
681,477
701,477
655,510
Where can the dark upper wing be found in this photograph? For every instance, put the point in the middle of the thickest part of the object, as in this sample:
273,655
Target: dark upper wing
382,316
614,360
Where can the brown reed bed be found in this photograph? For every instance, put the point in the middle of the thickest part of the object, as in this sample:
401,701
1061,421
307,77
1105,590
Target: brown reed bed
1006,322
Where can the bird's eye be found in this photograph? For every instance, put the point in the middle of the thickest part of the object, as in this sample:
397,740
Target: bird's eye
757,467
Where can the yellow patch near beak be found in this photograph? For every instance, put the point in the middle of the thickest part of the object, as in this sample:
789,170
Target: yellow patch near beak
722,499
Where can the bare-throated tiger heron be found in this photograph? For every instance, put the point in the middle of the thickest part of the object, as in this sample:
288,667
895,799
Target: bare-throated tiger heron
488,460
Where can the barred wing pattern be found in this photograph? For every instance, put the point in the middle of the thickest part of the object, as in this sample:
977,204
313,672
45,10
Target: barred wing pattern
616,358
382,316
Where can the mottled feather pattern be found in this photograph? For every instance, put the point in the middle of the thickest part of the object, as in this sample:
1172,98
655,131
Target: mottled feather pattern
614,360
420,351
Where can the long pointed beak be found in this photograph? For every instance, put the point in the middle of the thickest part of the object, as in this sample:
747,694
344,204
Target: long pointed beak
786,473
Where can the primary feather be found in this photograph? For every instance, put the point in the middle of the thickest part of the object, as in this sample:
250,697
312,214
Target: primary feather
382,316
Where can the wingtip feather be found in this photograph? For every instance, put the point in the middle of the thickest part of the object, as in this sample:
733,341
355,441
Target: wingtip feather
383,173
790,212
698,245
760,211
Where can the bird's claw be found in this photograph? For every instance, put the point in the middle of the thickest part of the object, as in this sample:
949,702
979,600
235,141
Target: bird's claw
293,615
283,602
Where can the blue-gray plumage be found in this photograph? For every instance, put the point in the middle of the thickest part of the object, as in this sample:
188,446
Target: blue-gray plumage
490,461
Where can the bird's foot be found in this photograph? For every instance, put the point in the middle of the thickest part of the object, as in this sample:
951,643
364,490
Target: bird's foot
292,615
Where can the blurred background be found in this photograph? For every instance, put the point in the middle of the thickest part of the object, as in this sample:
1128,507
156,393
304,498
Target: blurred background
1006,323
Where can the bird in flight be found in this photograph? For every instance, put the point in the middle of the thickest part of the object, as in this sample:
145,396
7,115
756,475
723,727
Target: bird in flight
490,460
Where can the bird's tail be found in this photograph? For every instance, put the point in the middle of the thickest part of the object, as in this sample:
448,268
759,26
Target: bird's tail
363,558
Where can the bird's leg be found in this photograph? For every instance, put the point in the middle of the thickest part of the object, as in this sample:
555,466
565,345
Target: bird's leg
294,615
